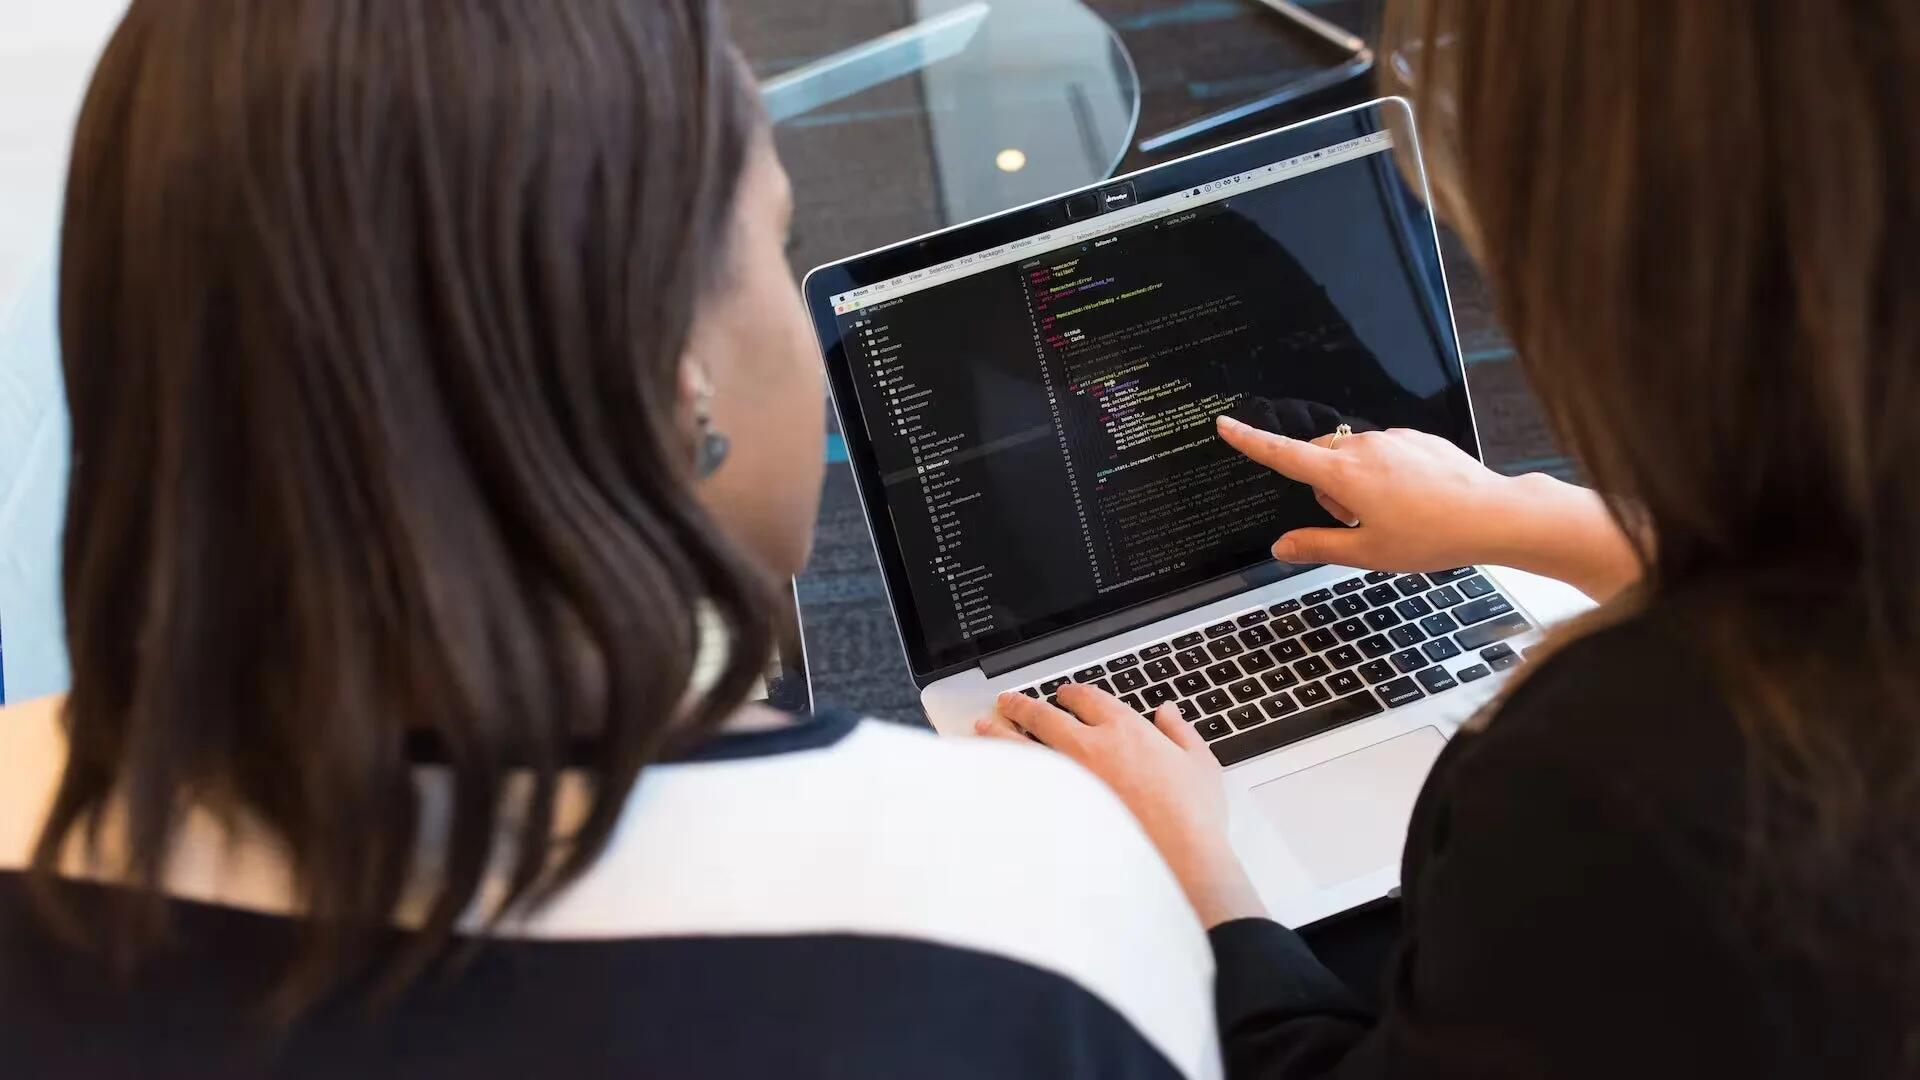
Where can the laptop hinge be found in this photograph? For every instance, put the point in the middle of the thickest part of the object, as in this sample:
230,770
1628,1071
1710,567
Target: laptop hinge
1086,633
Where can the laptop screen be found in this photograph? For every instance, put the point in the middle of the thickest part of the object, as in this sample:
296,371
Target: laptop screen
1034,419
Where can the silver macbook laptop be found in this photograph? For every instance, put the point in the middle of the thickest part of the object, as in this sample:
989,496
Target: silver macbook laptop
1028,403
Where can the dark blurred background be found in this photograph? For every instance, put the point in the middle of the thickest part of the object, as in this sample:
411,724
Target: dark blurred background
862,176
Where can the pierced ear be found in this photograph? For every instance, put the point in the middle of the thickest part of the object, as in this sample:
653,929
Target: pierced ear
696,386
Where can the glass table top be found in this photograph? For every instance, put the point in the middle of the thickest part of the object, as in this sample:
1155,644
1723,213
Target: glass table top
898,117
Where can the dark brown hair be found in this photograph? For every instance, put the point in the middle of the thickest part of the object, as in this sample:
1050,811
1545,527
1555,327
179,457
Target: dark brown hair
372,314
1700,220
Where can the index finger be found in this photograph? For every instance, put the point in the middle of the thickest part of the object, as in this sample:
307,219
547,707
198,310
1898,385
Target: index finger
1291,458
1052,726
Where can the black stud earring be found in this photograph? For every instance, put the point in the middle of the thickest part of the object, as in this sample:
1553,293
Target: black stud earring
711,453
713,450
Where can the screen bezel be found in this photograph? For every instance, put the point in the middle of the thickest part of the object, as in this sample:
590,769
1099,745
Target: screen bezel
825,282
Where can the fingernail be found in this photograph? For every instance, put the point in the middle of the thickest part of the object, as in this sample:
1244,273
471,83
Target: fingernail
1005,697
1229,423
1284,550
983,725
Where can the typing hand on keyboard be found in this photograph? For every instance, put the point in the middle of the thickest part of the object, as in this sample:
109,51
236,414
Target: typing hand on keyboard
1162,770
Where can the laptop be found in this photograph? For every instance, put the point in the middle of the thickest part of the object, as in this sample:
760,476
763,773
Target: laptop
1028,403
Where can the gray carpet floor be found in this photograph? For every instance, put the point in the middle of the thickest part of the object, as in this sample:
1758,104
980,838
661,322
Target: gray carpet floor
1194,57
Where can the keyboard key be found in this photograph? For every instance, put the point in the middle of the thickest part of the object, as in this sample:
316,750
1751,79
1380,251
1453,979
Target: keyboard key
1317,596
1089,674
1352,584
1052,685
1161,669
1405,637
1496,652
1382,618
1251,618
1486,607
1245,717
1475,586
1102,685
1440,649
1189,711
1221,629
1191,659
1289,626
1188,641
1155,652
1300,725
1312,668
1436,679
1279,679
1312,694
1054,701
1381,595
1351,630
1375,577
1408,660
1344,657
1319,640
1278,706
1214,727
1441,577
1438,623
1319,615
1224,648
1222,673
1284,607
1158,694
1378,645
1122,663
1344,682
1257,636
1127,680
1193,682
1503,663
1290,649
1256,661
1348,605
1445,597
1400,692
1378,671
1132,701
1414,607
1245,690
1477,671
1214,701
1409,584
1032,692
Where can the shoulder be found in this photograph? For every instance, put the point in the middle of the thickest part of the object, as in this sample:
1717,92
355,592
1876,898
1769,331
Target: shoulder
896,833
1638,700
1591,834
1616,757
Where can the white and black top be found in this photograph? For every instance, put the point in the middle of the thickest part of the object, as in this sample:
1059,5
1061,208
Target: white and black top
838,898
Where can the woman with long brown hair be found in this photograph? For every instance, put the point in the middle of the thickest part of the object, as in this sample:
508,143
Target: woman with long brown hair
1688,842
444,419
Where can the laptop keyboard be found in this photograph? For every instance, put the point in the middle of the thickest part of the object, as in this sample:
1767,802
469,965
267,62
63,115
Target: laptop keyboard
1270,676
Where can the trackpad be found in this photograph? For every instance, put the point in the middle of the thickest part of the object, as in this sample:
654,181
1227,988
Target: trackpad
1348,816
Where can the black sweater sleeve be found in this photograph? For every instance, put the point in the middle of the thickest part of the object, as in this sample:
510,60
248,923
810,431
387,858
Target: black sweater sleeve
1559,903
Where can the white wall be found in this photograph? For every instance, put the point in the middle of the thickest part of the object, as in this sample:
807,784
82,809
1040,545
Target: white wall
47,52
